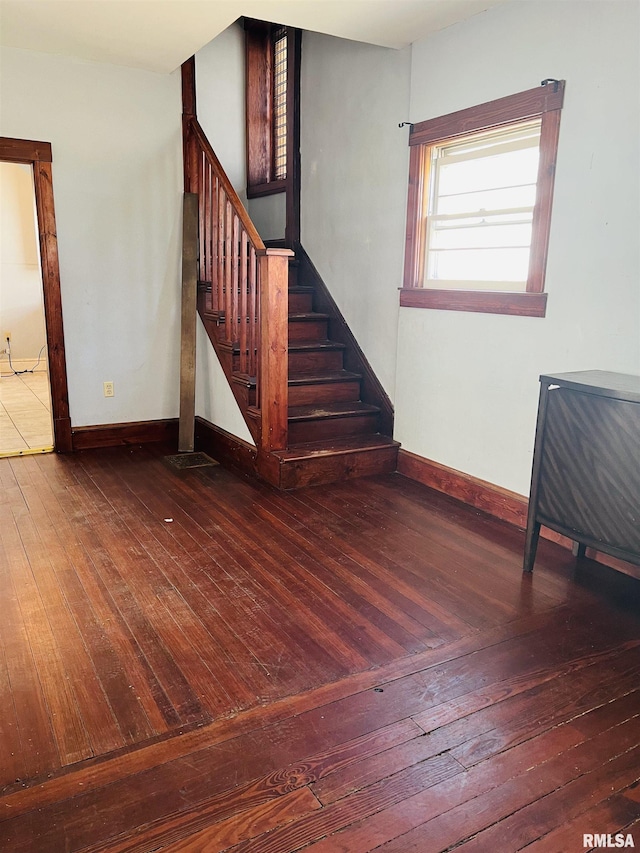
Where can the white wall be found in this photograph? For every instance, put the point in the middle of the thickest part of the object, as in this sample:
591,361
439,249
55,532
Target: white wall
221,112
354,183
269,215
21,303
467,384
116,139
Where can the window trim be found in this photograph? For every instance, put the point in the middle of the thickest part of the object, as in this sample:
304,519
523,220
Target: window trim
260,112
544,102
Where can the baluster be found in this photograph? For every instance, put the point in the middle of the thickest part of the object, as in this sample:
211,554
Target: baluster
253,318
220,251
228,311
215,190
235,259
202,166
244,319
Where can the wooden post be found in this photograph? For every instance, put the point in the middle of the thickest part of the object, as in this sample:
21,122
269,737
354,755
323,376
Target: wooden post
186,431
274,349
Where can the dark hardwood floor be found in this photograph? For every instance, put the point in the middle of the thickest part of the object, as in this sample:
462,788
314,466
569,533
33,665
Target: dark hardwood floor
193,661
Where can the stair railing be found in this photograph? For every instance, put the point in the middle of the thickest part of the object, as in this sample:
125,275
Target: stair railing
248,285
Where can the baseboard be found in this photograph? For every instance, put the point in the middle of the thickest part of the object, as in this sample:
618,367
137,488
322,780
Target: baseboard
494,500
228,449
134,432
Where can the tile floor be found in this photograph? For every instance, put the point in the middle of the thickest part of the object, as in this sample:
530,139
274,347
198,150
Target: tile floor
25,412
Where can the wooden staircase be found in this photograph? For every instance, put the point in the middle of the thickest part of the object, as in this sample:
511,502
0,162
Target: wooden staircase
336,429
313,405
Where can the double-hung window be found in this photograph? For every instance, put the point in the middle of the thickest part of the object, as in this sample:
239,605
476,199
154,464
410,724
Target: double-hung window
480,193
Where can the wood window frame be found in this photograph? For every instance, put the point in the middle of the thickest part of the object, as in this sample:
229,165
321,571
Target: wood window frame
259,119
260,108
38,155
543,102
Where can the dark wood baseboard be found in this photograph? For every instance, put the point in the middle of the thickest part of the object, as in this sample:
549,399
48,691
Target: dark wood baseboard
501,503
228,449
494,500
134,432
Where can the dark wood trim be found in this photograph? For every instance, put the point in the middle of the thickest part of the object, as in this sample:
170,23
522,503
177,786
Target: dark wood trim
498,502
38,155
501,503
190,165
188,73
416,217
134,432
228,449
258,103
24,150
541,227
270,188
485,302
518,107
294,52
354,359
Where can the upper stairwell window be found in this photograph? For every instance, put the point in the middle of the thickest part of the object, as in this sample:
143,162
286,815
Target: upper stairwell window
480,190
267,94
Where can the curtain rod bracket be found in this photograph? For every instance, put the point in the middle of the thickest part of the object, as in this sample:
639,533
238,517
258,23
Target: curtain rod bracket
553,80
402,124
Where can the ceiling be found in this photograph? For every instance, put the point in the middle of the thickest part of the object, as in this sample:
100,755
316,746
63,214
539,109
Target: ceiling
159,35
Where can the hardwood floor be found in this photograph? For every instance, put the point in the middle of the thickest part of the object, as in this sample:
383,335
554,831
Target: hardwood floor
193,661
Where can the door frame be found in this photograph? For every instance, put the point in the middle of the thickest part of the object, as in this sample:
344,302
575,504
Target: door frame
38,155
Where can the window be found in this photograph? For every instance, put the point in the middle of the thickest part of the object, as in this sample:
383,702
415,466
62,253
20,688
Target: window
480,191
267,88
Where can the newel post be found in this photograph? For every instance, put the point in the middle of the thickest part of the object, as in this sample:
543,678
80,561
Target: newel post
274,349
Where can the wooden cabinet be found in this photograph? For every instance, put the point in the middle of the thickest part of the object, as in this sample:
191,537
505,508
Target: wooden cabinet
585,482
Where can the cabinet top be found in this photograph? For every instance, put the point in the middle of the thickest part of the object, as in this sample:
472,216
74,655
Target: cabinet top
620,386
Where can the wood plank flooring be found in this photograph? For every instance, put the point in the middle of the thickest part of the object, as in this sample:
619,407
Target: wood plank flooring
193,661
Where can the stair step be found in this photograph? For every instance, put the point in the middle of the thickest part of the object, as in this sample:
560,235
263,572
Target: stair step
315,356
322,378
308,326
337,446
330,420
300,298
318,462
333,410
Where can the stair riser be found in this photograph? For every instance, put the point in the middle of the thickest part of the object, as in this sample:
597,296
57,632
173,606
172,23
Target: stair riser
333,469
328,392
300,303
313,362
327,428
308,330
293,274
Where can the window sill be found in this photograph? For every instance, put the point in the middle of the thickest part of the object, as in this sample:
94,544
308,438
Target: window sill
270,188
520,304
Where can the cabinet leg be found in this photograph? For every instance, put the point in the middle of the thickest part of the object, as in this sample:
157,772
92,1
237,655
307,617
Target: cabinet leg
531,546
579,549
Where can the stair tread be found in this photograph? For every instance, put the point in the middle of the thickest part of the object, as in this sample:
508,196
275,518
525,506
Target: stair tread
337,446
311,345
323,376
331,410
308,315
301,288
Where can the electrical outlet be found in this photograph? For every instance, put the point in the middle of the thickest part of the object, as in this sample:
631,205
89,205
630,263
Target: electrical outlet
108,389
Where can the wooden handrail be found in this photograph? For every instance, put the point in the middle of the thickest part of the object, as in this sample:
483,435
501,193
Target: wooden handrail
248,285
234,198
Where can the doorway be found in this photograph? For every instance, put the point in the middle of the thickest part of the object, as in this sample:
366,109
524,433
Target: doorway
25,396
50,394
